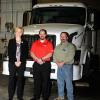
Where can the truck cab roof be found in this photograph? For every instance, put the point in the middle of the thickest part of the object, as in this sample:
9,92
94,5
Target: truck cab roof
66,4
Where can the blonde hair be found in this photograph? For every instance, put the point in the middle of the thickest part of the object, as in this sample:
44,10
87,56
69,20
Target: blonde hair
18,27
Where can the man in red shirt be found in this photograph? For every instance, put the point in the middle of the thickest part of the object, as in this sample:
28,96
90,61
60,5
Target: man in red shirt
41,52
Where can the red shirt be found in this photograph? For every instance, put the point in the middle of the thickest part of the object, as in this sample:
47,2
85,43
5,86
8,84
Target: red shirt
41,49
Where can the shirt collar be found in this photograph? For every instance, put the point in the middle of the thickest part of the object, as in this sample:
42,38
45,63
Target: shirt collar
44,41
64,43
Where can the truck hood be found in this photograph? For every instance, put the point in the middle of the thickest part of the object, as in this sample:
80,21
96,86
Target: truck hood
53,28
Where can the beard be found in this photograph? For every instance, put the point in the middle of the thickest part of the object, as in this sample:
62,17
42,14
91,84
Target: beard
42,38
63,40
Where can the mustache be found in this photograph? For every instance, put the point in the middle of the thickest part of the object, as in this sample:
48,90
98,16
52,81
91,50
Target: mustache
63,39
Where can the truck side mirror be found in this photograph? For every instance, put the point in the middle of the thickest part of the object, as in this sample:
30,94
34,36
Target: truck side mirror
26,18
93,18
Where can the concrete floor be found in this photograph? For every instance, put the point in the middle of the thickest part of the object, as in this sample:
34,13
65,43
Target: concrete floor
81,93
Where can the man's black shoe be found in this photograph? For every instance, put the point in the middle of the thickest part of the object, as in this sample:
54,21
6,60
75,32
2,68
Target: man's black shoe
46,99
32,99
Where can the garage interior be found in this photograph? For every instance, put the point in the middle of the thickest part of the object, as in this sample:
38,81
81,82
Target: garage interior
87,88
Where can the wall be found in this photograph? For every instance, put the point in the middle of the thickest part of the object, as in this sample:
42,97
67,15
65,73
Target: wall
12,11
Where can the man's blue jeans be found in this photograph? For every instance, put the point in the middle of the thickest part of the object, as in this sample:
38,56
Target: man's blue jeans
65,75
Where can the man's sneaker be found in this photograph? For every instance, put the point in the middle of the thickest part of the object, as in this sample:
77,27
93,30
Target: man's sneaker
59,98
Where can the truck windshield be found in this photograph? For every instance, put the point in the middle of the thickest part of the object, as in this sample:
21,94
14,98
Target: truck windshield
71,15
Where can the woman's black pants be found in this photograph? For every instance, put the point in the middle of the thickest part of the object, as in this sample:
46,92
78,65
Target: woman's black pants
16,79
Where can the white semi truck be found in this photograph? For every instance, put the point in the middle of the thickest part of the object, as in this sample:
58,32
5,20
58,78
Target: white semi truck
70,17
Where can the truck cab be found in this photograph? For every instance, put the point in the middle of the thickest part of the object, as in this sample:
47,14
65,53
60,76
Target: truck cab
68,17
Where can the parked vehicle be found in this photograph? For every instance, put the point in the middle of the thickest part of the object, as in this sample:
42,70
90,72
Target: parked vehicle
70,17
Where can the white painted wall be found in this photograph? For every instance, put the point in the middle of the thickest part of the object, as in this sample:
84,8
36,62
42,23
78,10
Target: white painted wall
13,11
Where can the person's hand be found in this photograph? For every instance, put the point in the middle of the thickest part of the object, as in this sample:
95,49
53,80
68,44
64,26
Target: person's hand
18,63
60,64
39,61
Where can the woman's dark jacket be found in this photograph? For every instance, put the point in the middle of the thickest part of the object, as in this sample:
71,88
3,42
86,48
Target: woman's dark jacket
12,50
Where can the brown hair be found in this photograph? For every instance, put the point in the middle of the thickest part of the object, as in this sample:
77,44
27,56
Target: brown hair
43,31
66,33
